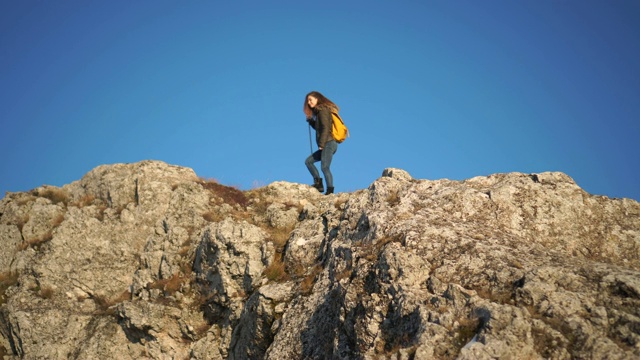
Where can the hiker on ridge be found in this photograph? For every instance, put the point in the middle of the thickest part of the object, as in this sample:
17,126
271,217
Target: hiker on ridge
318,110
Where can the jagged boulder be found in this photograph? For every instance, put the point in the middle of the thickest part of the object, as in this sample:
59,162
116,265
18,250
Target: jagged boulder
147,260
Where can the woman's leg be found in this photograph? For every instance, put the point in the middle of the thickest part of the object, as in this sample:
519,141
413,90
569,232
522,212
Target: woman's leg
316,156
325,157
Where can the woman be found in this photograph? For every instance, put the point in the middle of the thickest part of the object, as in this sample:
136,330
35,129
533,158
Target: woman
318,110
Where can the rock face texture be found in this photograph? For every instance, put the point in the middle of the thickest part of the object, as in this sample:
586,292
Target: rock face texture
147,260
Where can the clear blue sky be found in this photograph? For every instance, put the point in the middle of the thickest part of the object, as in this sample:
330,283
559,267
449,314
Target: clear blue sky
442,89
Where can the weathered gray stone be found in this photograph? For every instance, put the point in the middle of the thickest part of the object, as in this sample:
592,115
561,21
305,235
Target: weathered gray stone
146,260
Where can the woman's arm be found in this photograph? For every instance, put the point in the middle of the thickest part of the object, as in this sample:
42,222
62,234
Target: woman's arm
325,122
311,122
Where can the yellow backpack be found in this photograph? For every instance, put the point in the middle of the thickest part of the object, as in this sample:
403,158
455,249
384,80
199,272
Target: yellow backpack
338,130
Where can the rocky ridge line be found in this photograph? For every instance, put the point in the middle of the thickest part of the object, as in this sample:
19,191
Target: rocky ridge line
147,260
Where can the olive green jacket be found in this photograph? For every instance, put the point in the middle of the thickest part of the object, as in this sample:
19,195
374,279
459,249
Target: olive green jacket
322,122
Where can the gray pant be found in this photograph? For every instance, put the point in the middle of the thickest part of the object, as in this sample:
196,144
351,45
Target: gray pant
324,156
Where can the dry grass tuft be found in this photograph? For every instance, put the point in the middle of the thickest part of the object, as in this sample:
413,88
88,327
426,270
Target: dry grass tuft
124,296
25,199
229,195
276,270
340,204
201,330
7,280
469,327
371,251
56,195
105,304
170,286
57,220
213,216
21,221
497,293
46,292
85,200
306,285
101,210
344,274
279,237
36,242
258,202
393,198
102,302
185,249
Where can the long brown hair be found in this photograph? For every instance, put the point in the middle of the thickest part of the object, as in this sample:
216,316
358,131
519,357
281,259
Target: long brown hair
322,100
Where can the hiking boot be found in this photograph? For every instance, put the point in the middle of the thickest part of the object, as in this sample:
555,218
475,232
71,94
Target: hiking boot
329,191
317,183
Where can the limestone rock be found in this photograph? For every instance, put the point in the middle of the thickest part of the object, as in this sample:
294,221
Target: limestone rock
147,260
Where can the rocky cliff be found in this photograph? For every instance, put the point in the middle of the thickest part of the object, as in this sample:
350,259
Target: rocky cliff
147,260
